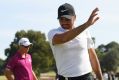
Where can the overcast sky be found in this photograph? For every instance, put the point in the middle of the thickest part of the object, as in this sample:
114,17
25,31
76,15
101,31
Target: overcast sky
41,15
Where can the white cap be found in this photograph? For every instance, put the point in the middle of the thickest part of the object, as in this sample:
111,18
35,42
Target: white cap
24,42
67,16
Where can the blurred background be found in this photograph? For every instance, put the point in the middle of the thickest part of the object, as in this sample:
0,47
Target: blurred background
34,18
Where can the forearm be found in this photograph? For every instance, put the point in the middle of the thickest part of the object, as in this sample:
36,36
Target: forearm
34,76
95,64
74,32
97,70
9,78
9,74
69,35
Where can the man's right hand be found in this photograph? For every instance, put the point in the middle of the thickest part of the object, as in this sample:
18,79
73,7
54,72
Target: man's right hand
93,17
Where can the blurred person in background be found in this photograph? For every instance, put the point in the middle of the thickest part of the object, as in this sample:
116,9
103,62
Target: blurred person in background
19,67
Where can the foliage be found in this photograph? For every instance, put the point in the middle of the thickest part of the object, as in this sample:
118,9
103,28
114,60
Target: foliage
1,62
1,66
109,56
43,60
40,50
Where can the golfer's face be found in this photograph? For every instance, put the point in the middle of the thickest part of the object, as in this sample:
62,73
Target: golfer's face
26,48
67,23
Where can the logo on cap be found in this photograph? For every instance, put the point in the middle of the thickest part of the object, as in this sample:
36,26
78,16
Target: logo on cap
24,42
64,10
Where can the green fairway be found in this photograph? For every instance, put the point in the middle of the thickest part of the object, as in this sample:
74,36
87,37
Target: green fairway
2,78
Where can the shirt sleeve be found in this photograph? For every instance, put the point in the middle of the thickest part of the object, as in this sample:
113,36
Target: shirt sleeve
11,64
52,33
90,42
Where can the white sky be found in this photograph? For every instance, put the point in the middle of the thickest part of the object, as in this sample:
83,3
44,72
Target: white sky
41,15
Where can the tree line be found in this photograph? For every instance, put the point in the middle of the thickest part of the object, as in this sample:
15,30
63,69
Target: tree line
42,56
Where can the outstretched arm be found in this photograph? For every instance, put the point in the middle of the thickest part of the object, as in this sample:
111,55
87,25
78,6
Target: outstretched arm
69,35
95,63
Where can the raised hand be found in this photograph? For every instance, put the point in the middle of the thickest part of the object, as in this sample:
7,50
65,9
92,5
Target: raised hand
93,17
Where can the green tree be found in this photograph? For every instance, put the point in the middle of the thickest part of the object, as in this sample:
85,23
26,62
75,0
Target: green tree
1,66
1,62
112,60
40,50
109,56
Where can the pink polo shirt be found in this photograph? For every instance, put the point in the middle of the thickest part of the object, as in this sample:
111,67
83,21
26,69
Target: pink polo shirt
21,67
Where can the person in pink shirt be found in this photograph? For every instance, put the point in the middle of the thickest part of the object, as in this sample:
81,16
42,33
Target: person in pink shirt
19,67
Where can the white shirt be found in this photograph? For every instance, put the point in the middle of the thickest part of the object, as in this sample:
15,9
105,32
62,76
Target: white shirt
105,76
72,58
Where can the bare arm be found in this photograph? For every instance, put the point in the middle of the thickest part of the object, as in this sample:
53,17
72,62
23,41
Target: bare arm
9,74
34,76
69,35
95,63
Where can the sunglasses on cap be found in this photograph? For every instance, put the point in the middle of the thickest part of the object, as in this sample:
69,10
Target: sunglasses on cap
25,46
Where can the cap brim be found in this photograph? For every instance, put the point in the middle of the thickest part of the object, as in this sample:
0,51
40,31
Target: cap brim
67,16
27,44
